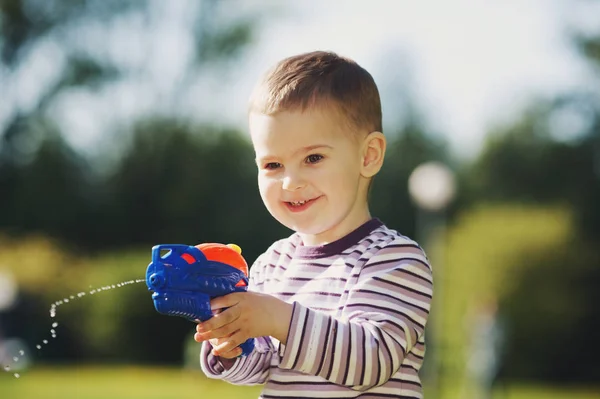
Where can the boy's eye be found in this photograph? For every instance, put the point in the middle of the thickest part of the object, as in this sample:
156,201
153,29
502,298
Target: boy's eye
314,158
272,165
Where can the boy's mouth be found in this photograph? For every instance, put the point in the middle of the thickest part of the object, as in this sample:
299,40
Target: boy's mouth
298,203
297,206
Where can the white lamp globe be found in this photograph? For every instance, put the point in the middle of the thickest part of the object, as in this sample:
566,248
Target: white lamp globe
432,186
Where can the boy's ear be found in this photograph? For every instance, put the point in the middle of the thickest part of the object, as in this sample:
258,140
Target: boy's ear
372,154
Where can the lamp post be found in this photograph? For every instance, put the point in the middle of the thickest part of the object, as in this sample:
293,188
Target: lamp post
432,187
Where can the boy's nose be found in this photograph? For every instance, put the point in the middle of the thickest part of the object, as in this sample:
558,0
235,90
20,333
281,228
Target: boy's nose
292,183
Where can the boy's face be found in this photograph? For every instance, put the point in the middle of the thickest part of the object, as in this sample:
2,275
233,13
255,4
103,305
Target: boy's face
309,173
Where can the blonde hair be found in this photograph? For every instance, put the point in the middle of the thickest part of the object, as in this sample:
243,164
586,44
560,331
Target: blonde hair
310,80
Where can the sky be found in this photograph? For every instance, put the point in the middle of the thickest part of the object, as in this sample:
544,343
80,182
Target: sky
464,65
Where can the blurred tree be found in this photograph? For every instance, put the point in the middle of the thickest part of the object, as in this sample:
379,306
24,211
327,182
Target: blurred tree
550,156
162,188
179,183
38,169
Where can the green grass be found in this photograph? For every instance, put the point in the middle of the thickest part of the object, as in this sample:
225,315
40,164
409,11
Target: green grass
118,382
522,391
141,382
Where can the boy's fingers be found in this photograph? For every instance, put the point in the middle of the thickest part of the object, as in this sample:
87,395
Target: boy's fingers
224,301
232,354
221,332
222,319
222,351
229,344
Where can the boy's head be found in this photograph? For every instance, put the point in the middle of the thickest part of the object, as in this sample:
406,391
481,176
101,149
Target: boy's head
315,123
321,80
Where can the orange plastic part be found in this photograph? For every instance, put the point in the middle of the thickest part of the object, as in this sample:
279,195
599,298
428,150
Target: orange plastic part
188,258
224,254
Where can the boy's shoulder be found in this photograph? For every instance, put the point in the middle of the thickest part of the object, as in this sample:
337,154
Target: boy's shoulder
385,239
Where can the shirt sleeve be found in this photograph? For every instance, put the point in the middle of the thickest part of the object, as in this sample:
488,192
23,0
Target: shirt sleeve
252,369
381,326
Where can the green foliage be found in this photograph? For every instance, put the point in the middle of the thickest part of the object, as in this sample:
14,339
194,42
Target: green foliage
522,162
178,183
549,297
225,43
481,259
589,46
553,312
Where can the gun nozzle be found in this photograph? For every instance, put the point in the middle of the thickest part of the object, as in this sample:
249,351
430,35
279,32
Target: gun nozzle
157,280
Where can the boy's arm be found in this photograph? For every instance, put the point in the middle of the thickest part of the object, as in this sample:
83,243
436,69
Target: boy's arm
252,369
383,320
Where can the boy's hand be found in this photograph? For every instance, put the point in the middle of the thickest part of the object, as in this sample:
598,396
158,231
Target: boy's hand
249,315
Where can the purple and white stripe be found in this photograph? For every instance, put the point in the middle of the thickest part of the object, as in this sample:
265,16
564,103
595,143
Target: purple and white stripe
360,308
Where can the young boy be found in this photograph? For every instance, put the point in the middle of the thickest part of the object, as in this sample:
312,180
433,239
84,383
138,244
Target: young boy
339,308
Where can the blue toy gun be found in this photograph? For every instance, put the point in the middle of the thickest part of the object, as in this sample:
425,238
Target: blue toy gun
185,278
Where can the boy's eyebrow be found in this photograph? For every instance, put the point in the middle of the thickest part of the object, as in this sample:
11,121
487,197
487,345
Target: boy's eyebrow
312,147
303,149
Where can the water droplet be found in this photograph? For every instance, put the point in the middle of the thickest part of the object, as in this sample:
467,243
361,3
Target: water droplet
53,335
17,375
21,352
72,297
113,286
66,300
15,359
45,341
39,346
7,368
52,331
54,325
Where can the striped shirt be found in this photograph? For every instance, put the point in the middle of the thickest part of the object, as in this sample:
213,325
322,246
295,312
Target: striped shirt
360,305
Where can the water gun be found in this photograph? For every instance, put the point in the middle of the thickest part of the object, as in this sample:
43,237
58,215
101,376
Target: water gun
185,278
